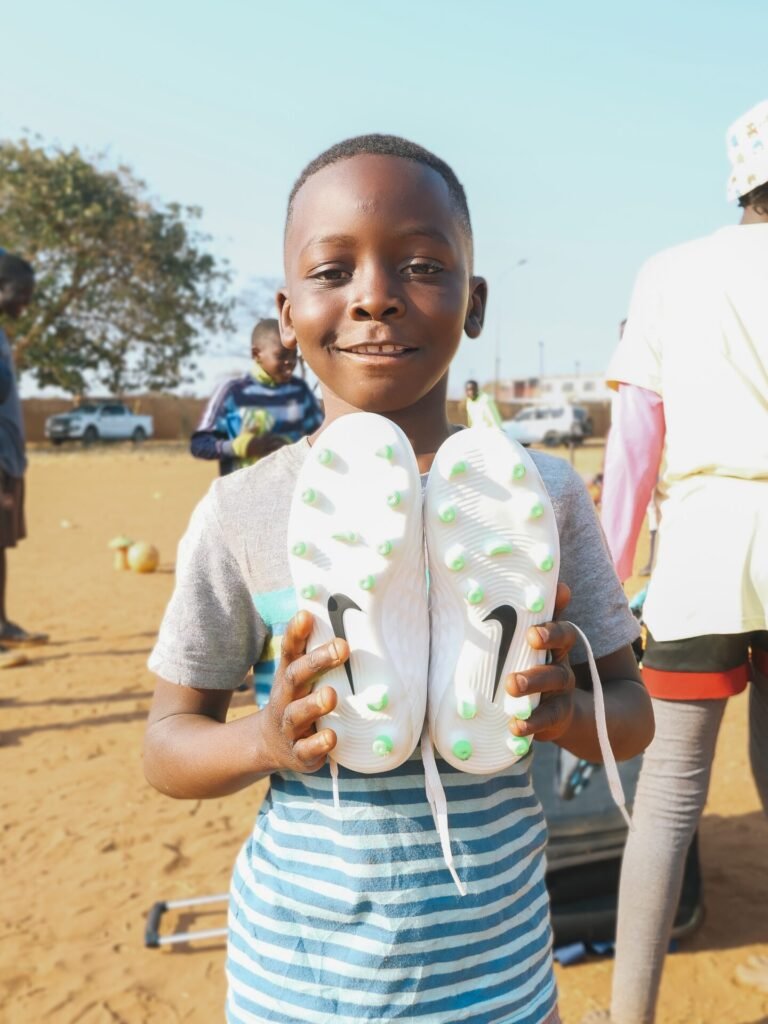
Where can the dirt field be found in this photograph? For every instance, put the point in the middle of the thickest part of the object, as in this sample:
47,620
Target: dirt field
88,847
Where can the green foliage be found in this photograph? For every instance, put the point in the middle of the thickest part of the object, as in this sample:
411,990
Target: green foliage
125,291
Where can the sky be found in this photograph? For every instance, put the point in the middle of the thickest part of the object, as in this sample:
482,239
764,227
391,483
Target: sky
587,136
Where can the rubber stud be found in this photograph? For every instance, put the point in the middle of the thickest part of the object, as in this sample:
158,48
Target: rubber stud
475,593
497,547
534,600
385,548
379,699
386,452
462,749
546,563
518,471
309,592
382,746
536,510
347,537
394,499
446,512
368,582
466,708
518,707
299,549
454,558
458,468
325,456
519,745
309,497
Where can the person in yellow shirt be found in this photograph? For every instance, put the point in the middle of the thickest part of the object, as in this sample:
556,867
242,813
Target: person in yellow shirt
481,408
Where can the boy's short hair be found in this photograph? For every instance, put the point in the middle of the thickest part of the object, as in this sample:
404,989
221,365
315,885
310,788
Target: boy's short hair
387,145
14,268
263,329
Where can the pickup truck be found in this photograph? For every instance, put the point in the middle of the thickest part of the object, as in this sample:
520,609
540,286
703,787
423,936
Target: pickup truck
108,421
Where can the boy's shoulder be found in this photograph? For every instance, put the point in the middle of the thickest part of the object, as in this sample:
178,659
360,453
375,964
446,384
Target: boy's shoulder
258,489
560,478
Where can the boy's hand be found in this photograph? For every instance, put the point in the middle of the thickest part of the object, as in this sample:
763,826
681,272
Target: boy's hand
288,721
555,681
260,446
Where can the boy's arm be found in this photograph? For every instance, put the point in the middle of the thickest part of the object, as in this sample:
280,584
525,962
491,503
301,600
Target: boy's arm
209,441
192,752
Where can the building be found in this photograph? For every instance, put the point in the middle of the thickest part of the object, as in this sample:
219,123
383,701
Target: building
564,387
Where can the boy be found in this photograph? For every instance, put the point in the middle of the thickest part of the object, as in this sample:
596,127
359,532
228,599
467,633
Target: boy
251,416
350,914
17,283
481,408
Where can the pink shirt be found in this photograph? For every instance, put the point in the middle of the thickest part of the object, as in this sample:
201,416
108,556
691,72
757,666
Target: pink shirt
632,459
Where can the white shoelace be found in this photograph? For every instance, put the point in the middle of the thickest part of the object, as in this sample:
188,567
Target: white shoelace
436,793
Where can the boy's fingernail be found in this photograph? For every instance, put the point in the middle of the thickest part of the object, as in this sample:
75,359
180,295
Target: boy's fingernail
522,683
336,650
543,633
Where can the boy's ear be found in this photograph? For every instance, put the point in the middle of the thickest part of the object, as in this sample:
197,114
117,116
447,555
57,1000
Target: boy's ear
284,319
478,299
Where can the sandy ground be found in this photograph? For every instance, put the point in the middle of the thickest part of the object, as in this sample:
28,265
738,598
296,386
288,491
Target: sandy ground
88,847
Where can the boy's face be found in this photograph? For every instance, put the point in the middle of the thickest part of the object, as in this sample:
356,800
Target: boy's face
277,361
471,391
16,295
378,281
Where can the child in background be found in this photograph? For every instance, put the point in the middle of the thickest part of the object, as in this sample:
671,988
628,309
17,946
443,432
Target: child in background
481,408
351,914
251,416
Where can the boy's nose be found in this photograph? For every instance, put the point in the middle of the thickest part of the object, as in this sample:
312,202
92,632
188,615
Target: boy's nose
376,300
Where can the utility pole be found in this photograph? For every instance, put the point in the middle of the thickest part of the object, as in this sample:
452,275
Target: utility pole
541,361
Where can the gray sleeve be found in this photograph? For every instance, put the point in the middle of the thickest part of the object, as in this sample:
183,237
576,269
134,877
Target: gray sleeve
598,605
211,633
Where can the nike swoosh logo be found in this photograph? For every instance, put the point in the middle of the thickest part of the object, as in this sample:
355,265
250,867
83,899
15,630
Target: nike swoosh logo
506,616
337,605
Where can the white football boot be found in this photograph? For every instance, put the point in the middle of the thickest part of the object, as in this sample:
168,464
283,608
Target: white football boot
494,556
356,553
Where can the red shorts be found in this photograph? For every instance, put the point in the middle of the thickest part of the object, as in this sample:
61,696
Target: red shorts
12,524
703,667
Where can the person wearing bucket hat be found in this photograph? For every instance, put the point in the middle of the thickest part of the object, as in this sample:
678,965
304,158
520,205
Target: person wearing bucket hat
691,375
748,153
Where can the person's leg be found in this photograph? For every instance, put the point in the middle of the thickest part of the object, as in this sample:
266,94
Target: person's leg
758,718
2,584
754,972
670,797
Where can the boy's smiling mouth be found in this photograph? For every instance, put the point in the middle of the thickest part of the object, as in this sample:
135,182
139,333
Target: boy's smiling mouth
375,349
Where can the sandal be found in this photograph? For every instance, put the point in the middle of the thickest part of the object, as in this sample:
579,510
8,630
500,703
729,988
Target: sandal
12,635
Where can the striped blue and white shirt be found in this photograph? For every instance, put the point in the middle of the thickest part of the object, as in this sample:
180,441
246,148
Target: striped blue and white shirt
291,408
350,914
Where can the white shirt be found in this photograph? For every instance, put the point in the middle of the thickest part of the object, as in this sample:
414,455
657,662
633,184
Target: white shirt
697,335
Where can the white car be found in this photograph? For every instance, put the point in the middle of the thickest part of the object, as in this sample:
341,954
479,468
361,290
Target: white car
109,421
548,424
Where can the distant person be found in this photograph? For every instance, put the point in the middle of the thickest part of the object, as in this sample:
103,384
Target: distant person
250,416
481,408
692,371
17,283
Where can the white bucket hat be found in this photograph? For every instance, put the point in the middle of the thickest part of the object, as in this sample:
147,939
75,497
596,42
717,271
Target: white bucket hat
747,142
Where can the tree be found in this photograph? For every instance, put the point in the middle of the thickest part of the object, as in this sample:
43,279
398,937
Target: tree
125,289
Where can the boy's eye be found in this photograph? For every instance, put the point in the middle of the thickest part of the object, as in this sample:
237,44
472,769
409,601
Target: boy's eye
330,274
420,267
